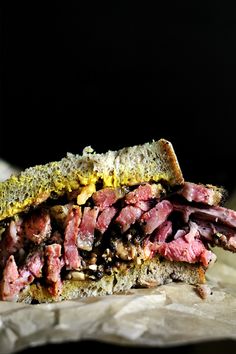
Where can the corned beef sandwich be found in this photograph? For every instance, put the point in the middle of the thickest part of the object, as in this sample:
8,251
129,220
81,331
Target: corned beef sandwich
100,224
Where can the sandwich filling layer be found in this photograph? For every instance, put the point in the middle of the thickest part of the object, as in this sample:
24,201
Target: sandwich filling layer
90,232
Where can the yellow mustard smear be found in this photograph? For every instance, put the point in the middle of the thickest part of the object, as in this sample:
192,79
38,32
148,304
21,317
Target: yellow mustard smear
60,184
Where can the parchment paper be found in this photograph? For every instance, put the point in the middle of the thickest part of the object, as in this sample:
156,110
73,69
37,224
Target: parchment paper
168,315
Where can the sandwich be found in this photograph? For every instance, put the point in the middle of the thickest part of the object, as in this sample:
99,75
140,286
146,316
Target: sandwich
100,224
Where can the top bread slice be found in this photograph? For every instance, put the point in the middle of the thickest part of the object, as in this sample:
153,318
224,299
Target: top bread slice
155,161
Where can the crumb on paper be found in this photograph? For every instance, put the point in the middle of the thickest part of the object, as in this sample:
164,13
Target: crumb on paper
203,290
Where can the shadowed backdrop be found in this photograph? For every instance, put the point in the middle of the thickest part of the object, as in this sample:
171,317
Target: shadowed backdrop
117,75
112,76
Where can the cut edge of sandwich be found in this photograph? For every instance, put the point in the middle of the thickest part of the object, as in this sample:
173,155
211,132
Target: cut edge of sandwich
155,161
150,274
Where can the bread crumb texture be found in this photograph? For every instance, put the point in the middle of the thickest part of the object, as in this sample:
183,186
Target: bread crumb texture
155,161
150,273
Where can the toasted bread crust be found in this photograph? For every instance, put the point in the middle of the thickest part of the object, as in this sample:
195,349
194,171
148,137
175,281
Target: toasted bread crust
154,161
174,169
149,274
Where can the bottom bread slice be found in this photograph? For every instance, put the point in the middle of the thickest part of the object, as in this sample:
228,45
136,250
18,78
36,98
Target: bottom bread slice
150,273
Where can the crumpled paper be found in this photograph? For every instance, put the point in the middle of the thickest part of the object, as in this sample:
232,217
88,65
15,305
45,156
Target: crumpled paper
169,315
172,314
